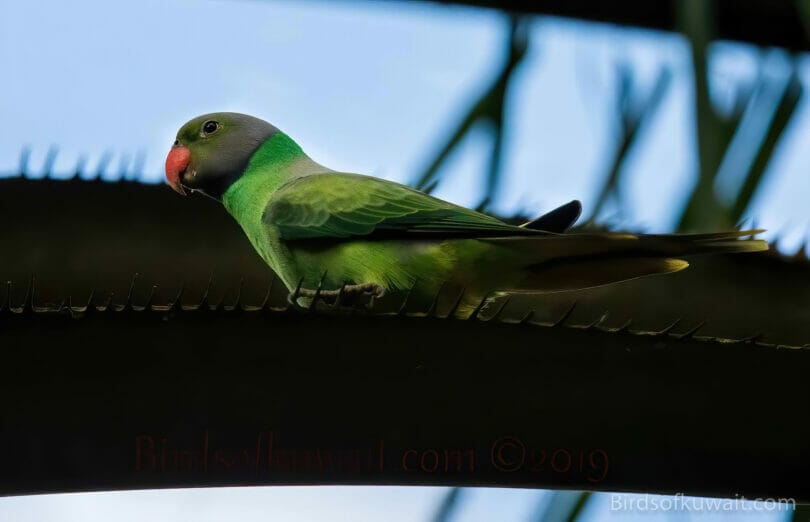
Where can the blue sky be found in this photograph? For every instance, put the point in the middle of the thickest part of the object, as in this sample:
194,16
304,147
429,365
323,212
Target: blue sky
394,504
370,87
366,87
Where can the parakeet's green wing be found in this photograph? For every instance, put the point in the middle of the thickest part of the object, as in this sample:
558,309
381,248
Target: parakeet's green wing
337,205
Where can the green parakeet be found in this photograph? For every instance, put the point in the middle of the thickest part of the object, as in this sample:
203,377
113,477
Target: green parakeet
317,227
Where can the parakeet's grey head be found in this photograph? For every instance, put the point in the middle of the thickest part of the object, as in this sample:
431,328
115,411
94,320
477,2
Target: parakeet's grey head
211,151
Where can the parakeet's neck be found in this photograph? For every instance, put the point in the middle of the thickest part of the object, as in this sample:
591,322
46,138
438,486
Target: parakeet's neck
276,162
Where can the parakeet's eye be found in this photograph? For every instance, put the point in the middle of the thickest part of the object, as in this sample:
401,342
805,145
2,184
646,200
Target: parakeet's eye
209,127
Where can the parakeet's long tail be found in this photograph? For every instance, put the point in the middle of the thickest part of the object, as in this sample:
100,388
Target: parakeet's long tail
575,261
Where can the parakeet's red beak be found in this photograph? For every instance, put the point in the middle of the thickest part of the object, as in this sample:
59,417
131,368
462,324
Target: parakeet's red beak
176,163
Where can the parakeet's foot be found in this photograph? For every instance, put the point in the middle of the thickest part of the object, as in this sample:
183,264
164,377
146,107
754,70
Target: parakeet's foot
348,296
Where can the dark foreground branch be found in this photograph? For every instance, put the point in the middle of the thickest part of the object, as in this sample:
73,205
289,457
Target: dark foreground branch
178,398
768,23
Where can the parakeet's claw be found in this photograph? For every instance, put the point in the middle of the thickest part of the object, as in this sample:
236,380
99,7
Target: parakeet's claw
292,298
348,296
369,289
355,296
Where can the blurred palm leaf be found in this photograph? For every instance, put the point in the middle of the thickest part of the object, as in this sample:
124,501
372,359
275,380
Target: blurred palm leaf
562,506
488,110
449,505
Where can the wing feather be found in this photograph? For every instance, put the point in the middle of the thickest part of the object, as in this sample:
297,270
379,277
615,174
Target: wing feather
339,206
